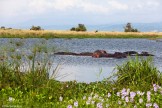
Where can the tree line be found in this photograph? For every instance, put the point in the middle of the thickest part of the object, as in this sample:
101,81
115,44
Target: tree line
81,27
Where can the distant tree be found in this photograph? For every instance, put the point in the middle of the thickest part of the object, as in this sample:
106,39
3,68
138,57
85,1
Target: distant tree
129,28
3,27
36,28
72,29
81,27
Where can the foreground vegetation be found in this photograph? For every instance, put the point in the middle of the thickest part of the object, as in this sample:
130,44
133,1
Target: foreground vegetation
25,82
12,33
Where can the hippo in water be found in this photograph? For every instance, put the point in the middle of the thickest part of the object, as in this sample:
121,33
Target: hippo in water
99,53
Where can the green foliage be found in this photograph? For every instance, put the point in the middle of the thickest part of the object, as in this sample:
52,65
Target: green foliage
81,27
129,28
35,28
138,73
72,29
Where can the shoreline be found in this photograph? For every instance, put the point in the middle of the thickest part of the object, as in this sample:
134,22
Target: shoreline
16,33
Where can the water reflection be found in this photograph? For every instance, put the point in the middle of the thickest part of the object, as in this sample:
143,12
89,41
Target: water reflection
83,73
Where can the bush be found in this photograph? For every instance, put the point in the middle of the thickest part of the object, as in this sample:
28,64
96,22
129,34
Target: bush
3,27
72,29
81,27
36,28
129,28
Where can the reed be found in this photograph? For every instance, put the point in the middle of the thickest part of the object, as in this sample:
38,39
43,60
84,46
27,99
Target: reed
138,73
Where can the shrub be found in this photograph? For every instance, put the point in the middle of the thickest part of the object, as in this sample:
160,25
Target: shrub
3,27
36,28
129,28
72,29
81,27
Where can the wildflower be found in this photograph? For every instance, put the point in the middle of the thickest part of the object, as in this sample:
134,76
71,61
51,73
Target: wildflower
84,97
92,102
135,106
107,105
155,105
132,95
127,99
148,96
140,93
88,102
155,87
140,100
95,96
124,92
118,94
109,95
119,102
69,106
76,104
99,105
89,98
11,99
148,105
60,98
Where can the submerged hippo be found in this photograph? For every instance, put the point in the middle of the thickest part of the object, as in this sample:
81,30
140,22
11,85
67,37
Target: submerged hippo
99,53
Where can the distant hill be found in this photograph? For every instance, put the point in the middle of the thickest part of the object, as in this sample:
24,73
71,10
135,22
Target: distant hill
143,27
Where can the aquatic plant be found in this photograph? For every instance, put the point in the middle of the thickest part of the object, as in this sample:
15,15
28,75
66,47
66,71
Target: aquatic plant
138,72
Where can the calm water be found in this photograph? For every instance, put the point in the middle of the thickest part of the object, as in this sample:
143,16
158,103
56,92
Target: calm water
87,69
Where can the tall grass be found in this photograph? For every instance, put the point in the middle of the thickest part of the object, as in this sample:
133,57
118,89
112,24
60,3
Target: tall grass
72,34
138,73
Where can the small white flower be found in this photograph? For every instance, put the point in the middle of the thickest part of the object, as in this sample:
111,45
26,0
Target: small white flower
60,98
89,98
127,99
88,102
140,100
109,95
69,106
119,102
11,99
92,102
76,104
118,94
84,97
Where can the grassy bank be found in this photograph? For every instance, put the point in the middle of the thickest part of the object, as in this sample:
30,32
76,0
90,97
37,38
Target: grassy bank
137,84
72,34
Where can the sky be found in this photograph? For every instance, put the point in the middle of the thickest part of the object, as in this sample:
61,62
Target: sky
71,12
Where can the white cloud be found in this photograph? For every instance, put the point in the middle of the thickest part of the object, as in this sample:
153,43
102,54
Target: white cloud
28,9
117,5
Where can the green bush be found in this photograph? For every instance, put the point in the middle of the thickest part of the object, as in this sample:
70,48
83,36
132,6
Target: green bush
81,27
35,28
129,28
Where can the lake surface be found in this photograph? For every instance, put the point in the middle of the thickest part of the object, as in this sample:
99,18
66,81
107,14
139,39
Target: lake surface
88,69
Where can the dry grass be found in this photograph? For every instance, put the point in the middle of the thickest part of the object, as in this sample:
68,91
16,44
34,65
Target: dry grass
15,33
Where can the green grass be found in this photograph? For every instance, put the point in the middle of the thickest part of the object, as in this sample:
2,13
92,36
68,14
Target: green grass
137,83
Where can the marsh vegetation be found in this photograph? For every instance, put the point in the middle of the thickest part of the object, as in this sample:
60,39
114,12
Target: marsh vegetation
136,83
13,33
